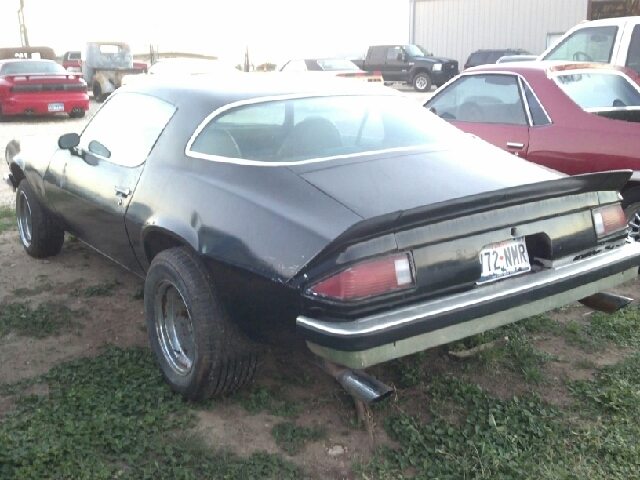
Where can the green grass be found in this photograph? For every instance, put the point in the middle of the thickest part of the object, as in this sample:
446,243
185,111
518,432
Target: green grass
271,400
621,328
39,322
292,438
7,218
101,290
112,417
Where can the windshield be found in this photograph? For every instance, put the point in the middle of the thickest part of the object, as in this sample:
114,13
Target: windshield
416,51
594,44
322,127
23,67
599,90
337,64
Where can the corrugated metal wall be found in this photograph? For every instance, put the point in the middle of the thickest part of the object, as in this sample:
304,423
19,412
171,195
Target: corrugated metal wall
455,28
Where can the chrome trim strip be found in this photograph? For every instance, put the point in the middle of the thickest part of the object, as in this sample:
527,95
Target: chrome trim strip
387,320
515,145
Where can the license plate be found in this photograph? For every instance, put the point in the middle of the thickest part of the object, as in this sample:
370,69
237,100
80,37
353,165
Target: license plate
56,107
504,259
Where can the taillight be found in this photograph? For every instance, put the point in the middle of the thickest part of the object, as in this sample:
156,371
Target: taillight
608,220
368,279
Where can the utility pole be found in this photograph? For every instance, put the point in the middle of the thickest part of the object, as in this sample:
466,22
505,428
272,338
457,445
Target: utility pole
24,39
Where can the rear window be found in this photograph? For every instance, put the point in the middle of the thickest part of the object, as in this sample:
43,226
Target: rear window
25,67
599,90
318,127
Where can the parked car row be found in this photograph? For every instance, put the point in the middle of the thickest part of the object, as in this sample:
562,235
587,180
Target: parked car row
257,207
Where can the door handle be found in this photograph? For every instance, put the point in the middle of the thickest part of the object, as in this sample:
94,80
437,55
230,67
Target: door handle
515,145
123,192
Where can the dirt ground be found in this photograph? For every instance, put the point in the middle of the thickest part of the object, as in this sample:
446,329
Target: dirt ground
119,320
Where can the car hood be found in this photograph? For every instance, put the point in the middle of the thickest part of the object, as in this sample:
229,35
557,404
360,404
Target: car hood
406,179
432,59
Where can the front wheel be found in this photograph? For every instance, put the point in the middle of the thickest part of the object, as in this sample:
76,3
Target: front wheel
631,206
40,234
422,82
201,353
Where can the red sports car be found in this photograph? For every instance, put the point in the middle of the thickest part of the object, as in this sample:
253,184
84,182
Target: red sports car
571,117
40,87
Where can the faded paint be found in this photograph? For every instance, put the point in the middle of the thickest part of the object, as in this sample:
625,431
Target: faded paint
456,28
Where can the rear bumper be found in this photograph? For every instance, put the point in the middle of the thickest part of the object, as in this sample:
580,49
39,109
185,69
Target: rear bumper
403,331
38,103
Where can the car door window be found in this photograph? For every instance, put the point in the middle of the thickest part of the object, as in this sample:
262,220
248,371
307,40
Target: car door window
486,98
392,53
633,55
127,127
589,44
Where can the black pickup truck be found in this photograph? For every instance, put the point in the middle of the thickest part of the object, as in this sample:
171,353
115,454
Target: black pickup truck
410,64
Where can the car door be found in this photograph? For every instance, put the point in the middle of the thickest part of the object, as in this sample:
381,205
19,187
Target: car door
394,64
91,187
488,105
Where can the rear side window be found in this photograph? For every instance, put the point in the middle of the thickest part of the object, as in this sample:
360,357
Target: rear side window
476,58
599,90
589,44
126,128
485,98
538,114
633,55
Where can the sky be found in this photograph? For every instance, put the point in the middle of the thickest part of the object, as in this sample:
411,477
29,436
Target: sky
274,30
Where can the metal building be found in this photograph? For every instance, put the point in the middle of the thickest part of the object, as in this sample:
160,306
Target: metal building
455,28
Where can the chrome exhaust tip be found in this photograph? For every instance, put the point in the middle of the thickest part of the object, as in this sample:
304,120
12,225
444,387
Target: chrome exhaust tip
363,386
356,383
606,302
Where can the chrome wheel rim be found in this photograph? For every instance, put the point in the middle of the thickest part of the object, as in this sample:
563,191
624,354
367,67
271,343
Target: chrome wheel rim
634,226
421,83
23,212
174,329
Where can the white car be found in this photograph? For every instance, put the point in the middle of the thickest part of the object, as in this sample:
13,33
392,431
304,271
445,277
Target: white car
181,66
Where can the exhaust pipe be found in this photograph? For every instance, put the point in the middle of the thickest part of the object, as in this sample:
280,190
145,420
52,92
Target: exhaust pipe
356,383
606,302
29,111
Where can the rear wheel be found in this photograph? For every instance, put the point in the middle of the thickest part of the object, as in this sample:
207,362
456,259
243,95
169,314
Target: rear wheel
201,353
98,96
40,234
422,82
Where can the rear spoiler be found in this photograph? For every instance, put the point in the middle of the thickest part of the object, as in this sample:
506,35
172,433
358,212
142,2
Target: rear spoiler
43,76
534,192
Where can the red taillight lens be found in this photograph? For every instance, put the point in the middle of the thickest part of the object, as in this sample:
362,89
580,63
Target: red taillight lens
368,279
608,220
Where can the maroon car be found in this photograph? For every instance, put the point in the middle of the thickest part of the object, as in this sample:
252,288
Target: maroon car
571,117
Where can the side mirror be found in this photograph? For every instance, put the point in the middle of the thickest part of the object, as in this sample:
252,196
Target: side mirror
69,141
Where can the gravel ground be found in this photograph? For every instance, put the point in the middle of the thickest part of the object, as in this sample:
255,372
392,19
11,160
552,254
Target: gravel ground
51,127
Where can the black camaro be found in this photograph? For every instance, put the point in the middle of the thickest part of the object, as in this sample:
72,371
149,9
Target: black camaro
341,211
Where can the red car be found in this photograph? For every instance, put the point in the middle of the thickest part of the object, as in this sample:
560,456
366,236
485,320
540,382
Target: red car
571,117
41,87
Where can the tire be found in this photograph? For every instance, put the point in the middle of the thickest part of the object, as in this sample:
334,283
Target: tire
2,117
98,96
200,352
422,82
631,206
40,234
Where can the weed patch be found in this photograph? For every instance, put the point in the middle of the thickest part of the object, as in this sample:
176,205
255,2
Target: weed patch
292,438
100,290
270,400
40,322
113,416
621,328
7,218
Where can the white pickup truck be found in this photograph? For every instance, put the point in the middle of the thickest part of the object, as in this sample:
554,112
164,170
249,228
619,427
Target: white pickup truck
610,40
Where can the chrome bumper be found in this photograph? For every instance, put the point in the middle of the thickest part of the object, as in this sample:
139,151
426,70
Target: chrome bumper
384,336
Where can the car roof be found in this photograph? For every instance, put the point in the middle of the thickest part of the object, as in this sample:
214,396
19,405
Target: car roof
609,21
222,89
